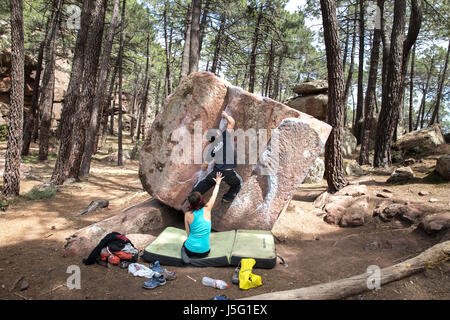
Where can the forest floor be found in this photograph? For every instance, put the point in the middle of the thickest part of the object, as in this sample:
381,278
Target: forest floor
33,232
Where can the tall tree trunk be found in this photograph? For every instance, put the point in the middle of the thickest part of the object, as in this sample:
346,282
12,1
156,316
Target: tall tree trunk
269,82
348,82
133,106
334,169
276,85
411,89
218,44
48,82
61,170
371,92
393,88
107,104
97,102
89,84
194,54
143,116
11,174
421,112
435,116
187,45
120,150
360,99
202,26
29,123
168,83
252,71
113,107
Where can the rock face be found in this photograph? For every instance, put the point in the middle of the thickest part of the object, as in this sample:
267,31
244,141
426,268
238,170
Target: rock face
420,141
443,166
312,98
145,217
349,143
316,172
276,177
169,172
315,105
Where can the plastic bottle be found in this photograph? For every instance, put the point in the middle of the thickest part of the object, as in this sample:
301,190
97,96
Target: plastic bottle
219,284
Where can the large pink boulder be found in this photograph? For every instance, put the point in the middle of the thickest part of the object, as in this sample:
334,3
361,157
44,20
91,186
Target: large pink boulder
171,156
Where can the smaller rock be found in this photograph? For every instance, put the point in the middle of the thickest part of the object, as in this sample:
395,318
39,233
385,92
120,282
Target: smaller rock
316,172
354,169
397,244
374,245
424,193
25,285
436,222
443,166
408,162
384,195
310,87
432,200
401,175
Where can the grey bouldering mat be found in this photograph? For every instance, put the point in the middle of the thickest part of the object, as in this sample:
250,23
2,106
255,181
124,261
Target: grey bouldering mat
227,248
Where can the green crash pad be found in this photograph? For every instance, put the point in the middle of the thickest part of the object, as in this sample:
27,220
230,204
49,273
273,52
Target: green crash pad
227,248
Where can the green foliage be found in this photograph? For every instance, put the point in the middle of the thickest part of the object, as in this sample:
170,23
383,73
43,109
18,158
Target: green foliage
4,203
42,191
3,132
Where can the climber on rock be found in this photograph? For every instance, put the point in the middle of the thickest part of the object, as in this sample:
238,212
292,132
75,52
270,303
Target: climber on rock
224,157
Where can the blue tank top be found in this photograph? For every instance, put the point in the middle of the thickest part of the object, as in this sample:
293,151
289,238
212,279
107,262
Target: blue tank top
200,230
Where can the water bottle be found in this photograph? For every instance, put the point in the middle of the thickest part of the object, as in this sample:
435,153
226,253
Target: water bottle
219,284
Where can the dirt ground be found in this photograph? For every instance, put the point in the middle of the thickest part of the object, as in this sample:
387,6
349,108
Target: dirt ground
33,232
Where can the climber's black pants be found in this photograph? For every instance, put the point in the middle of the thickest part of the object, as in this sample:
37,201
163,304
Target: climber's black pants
229,176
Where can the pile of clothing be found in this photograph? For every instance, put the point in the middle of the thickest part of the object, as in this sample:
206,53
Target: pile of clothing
117,249
113,249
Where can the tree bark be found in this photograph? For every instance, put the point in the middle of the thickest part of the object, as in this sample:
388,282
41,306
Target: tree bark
107,105
202,26
411,90
29,123
252,68
143,115
393,88
11,174
348,82
435,116
92,57
360,95
61,170
371,92
194,54
48,82
187,45
120,150
218,44
168,83
276,85
421,113
99,94
334,169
